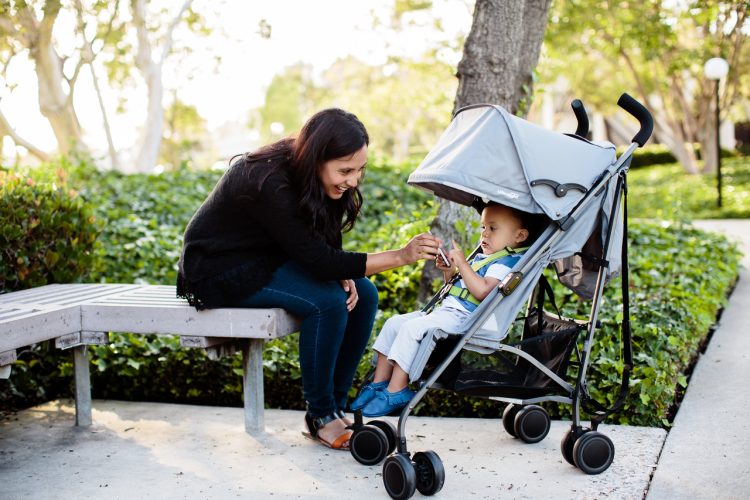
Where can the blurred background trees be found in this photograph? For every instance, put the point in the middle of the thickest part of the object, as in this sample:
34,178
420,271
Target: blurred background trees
593,49
655,50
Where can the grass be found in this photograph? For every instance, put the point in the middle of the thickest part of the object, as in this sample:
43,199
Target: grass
667,192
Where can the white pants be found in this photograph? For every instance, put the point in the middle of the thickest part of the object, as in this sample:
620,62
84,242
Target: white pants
399,339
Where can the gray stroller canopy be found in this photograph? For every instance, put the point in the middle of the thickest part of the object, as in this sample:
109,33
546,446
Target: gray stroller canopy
489,154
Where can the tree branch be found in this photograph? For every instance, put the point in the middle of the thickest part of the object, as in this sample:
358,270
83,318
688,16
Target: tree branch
6,129
51,10
169,39
143,54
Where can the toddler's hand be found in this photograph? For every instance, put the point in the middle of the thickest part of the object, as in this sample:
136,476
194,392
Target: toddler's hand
456,254
441,264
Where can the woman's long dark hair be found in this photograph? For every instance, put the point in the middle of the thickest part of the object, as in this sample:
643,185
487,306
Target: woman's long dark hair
329,134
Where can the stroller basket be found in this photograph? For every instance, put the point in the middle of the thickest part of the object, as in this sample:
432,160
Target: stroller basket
551,345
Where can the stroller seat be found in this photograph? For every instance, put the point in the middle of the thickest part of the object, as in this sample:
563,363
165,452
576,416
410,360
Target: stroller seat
550,346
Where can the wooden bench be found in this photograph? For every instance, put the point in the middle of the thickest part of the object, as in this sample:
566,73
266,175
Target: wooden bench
77,315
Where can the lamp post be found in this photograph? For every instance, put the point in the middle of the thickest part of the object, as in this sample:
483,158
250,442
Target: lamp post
715,69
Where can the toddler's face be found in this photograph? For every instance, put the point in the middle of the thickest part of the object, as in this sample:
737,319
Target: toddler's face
500,229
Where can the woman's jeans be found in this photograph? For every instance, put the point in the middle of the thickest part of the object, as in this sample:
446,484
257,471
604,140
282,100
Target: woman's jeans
332,340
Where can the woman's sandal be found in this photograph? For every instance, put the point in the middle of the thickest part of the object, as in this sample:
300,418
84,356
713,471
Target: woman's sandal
316,423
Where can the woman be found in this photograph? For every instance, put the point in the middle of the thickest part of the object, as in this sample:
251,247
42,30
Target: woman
270,234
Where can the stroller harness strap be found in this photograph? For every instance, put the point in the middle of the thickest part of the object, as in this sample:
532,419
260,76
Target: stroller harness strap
483,264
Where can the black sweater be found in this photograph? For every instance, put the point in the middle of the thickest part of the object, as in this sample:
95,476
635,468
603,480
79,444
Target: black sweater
239,237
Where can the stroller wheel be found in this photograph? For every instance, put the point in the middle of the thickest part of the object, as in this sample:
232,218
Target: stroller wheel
531,424
399,476
509,416
569,439
390,432
593,452
430,472
368,445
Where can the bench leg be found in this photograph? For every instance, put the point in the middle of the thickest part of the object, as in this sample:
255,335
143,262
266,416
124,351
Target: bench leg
252,385
83,386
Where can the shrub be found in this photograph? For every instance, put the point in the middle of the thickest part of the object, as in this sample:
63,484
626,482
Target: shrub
674,301
146,216
667,192
47,233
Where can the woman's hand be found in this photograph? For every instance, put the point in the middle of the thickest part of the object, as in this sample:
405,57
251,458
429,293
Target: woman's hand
351,288
422,246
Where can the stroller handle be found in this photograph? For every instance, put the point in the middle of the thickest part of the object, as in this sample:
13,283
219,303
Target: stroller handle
640,112
581,116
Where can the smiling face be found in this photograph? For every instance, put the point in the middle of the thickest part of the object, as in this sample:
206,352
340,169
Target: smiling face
501,228
340,174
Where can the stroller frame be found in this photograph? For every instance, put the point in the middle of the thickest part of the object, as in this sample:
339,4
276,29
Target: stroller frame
585,448
547,238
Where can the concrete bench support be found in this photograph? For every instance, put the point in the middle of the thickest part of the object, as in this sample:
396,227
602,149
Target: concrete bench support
252,385
83,386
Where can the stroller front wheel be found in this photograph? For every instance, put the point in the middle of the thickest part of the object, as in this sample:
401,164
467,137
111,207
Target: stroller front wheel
430,472
390,432
509,416
368,445
531,424
569,440
593,452
399,476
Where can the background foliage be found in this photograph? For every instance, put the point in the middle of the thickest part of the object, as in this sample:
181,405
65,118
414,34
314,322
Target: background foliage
46,233
141,222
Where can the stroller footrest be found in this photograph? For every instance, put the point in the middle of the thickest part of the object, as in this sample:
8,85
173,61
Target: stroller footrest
489,383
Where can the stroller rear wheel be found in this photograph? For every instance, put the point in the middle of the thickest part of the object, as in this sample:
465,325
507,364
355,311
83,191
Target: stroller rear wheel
509,416
399,476
531,424
368,445
593,452
430,472
390,433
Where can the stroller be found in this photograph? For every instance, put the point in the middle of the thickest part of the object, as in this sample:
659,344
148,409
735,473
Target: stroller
579,188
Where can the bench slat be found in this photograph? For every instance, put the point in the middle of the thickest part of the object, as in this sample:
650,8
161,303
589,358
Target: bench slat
64,294
185,320
38,327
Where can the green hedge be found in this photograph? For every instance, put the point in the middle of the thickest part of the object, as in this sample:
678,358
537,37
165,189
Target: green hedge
667,192
674,300
46,233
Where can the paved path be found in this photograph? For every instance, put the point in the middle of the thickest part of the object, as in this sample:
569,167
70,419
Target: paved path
164,451
707,452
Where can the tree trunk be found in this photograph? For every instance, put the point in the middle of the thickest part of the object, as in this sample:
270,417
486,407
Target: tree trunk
152,72
499,57
54,103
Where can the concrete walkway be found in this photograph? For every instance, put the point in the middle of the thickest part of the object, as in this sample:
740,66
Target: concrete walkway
707,452
150,450
164,451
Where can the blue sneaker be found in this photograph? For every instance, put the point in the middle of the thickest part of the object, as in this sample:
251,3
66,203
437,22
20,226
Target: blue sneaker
385,403
367,393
